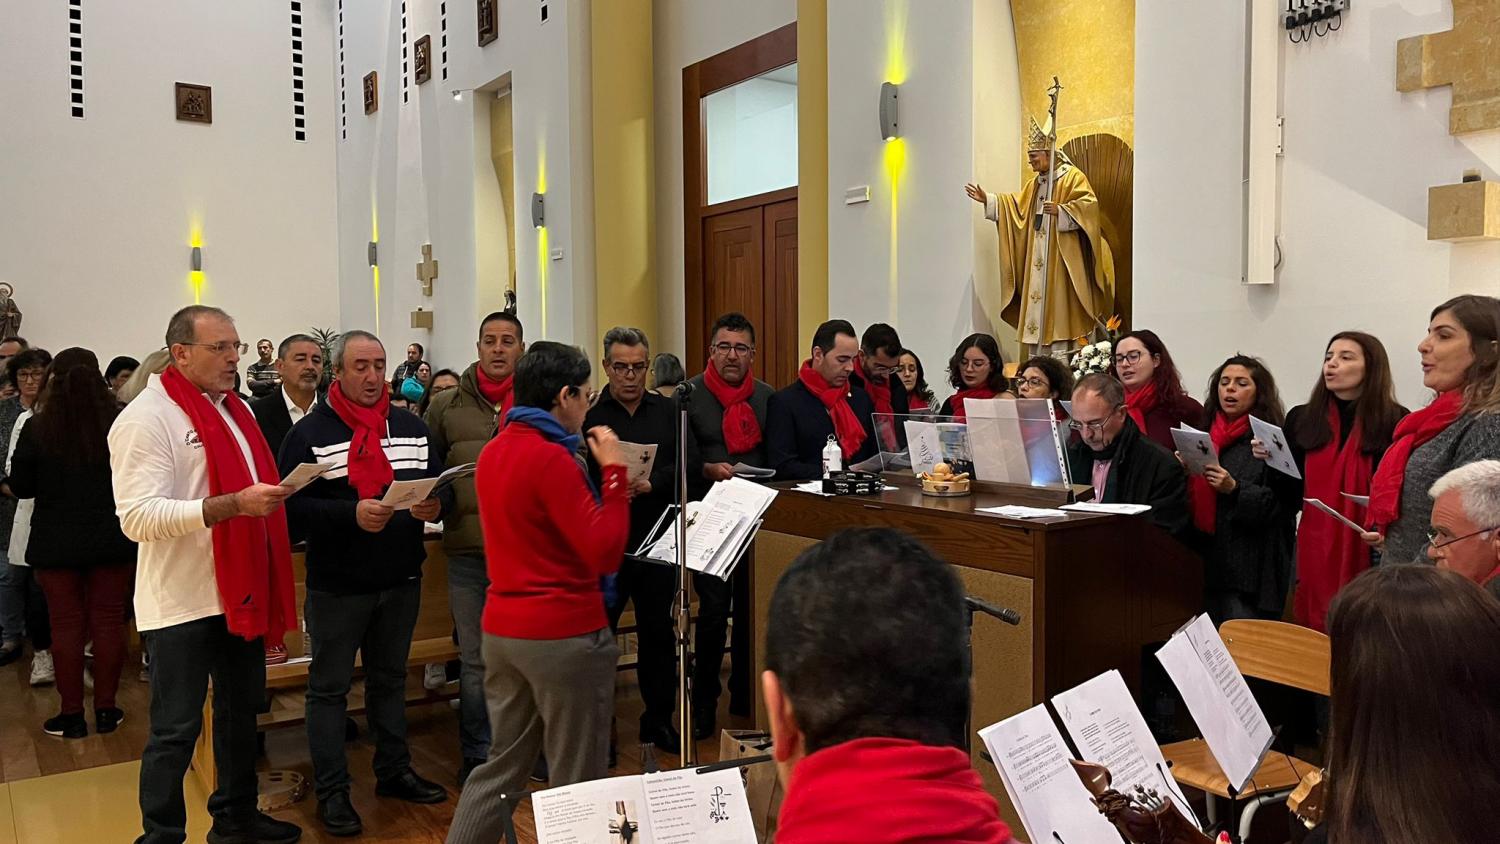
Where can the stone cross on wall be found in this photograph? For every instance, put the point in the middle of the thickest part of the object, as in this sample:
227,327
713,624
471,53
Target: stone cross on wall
1466,57
427,271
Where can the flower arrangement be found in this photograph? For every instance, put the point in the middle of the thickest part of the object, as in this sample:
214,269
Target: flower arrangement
1096,357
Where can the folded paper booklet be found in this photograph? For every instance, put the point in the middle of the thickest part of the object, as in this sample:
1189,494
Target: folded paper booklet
1274,441
672,807
453,474
1347,522
1195,448
1115,509
1017,511
304,474
401,495
639,460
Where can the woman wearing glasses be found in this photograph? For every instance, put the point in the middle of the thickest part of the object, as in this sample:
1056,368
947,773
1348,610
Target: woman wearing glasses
23,608
1154,395
1044,377
976,371
1461,363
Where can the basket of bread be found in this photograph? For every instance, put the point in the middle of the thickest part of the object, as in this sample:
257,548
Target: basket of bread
943,482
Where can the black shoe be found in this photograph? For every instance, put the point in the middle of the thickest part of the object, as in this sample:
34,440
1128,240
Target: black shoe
665,738
705,726
66,726
539,771
467,769
338,816
412,789
255,829
10,654
108,720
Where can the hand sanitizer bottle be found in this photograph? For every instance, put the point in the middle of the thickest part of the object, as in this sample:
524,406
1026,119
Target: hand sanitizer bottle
833,456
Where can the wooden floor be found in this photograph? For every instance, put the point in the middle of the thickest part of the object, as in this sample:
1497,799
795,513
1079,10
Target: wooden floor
44,780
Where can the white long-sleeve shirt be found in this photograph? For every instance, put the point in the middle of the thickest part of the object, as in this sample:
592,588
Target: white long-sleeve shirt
160,475
20,532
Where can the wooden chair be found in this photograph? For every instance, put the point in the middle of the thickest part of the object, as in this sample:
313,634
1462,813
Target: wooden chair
1276,652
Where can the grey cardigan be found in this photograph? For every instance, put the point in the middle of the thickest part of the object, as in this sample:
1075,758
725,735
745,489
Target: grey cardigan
1471,437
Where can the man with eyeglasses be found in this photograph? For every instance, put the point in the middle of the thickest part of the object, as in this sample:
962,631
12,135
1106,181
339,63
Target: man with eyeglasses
879,358
1122,465
642,417
726,420
1464,532
821,403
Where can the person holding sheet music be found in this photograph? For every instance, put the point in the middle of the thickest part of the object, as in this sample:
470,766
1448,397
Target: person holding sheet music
1337,439
822,403
550,536
642,417
364,572
1154,396
1461,363
1243,509
726,421
1124,467
976,371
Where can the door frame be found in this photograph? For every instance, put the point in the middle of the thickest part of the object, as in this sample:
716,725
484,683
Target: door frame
777,48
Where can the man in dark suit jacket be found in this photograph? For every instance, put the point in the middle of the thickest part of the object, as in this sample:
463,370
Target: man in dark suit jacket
1122,464
799,421
299,361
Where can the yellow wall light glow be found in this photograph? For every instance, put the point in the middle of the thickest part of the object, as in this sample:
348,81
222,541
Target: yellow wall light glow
894,155
895,41
541,272
375,267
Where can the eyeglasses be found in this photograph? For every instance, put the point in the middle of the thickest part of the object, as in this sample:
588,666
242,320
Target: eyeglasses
880,369
629,368
1433,534
739,349
1128,357
30,374
1033,383
222,349
1095,427
974,364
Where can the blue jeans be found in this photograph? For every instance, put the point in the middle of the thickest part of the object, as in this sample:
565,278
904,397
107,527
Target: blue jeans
378,625
468,581
23,607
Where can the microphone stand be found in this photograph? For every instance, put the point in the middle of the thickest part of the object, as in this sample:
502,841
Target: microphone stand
974,605
681,610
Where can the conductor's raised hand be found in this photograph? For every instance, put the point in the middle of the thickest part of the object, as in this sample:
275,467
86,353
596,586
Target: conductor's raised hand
605,446
975,192
260,499
371,515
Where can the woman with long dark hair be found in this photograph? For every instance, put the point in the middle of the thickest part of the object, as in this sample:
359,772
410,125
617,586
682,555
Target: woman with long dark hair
914,378
82,559
976,371
1461,363
1337,439
1414,737
1154,396
1244,509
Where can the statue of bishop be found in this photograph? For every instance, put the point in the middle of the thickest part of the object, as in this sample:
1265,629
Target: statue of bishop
1058,297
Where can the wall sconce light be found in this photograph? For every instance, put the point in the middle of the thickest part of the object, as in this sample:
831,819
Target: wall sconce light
538,210
890,126
195,259
458,94
370,252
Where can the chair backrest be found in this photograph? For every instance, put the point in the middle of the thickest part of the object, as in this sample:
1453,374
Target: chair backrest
1278,652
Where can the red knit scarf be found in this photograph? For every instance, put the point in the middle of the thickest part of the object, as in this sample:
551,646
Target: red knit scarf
1205,500
880,391
1140,402
846,427
497,393
369,469
883,791
741,428
1329,554
252,555
1411,432
957,402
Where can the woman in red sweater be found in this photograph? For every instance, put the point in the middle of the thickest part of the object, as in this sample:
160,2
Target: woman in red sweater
549,538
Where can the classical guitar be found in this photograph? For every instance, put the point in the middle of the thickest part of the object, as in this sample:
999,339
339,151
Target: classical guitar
1306,801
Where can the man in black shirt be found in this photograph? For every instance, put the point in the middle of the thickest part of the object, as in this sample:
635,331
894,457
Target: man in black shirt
642,417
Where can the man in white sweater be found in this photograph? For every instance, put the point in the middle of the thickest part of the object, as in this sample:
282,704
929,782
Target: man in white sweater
161,469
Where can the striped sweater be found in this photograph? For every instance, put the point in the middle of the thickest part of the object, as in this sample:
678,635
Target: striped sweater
342,557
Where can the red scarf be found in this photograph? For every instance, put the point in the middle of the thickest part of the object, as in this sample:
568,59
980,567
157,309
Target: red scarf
917,404
252,556
1205,501
880,391
1411,432
956,404
497,393
741,428
369,469
884,791
1140,402
851,434
1329,554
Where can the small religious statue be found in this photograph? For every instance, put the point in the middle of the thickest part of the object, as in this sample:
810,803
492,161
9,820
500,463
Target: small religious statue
1057,271
10,314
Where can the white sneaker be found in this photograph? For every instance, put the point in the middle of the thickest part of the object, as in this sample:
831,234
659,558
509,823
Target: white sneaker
42,673
434,676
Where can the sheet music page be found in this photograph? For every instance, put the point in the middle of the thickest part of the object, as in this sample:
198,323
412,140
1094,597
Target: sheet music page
1034,762
691,808
1216,694
639,459
593,813
1275,442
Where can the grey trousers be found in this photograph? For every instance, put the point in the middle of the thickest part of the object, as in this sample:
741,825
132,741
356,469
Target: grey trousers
556,695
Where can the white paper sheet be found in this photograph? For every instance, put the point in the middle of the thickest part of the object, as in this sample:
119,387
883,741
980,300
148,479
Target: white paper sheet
1361,500
1107,728
1274,440
1034,765
639,459
1318,504
592,812
922,445
453,474
1016,511
403,494
1113,509
745,470
1216,694
304,474
691,808
1196,448
995,439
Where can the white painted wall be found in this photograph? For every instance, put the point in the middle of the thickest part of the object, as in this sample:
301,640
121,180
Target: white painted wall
422,169
95,214
685,32
1359,159
751,135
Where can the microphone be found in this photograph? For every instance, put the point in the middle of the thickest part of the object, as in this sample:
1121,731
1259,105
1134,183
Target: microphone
683,390
1005,614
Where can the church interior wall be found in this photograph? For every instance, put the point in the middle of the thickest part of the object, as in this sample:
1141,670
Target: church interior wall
97,215
1359,158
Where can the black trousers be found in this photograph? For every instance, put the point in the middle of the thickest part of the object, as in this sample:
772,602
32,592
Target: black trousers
650,587
718,601
183,657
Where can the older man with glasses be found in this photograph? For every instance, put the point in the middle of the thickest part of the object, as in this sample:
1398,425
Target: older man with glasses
1123,466
1464,533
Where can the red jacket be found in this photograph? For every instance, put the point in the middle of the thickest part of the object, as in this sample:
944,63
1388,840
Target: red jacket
546,540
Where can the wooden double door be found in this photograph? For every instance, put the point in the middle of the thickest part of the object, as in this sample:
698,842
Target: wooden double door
750,266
